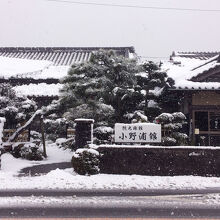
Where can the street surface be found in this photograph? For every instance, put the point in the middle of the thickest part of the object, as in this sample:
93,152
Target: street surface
160,204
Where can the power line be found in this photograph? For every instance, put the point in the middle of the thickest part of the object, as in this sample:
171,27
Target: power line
134,6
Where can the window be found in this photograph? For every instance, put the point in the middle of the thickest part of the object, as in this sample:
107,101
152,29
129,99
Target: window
214,121
201,121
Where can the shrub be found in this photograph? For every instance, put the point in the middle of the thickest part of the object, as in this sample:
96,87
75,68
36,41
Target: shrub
66,143
55,128
29,151
103,135
181,138
172,127
35,136
86,161
168,141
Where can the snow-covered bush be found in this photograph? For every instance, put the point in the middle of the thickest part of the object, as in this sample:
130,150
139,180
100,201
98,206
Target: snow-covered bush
66,143
168,141
172,125
140,117
178,117
103,135
100,112
35,137
86,161
55,128
164,118
80,111
181,138
29,151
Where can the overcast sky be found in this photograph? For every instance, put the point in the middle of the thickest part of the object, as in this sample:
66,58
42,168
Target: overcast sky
151,32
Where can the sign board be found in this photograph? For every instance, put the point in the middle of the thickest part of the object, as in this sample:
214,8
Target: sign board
137,133
196,131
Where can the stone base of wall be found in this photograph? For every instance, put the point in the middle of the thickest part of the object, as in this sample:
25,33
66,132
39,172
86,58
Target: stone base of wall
160,161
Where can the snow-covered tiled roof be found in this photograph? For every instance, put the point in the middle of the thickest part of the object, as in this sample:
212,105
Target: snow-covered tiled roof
40,64
16,67
61,56
49,62
35,69
185,70
195,55
41,89
210,64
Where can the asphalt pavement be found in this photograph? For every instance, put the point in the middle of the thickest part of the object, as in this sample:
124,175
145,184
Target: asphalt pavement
107,192
43,169
191,206
109,212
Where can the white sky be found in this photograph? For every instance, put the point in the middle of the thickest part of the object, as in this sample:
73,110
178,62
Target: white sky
151,32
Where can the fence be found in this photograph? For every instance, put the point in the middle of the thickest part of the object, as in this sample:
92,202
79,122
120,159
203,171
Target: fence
70,132
23,137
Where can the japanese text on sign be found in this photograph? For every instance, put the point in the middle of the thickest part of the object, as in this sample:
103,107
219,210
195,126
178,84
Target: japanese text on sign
138,133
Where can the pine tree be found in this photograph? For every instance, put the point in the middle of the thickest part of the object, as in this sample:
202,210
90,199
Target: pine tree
103,88
155,84
15,109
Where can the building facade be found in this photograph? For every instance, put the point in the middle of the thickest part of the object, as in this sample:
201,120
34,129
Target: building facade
36,71
197,88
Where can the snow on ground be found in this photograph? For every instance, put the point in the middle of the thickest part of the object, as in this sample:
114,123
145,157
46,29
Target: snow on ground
10,166
68,179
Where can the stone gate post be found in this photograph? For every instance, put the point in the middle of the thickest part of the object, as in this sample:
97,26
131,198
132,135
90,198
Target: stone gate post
83,132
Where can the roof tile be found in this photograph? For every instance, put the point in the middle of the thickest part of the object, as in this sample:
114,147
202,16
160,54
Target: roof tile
62,56
195,55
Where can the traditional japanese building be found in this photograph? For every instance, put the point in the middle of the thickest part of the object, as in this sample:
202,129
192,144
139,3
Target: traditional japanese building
36,71
197,88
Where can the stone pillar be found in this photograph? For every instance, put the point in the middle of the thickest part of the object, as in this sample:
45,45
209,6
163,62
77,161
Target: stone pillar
83,132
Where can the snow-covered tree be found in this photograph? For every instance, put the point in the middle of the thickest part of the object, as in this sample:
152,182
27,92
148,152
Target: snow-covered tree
15,109
172,125
154,84
103,88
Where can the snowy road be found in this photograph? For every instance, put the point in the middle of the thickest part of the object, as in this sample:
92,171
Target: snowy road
105,192
63,193
197,205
